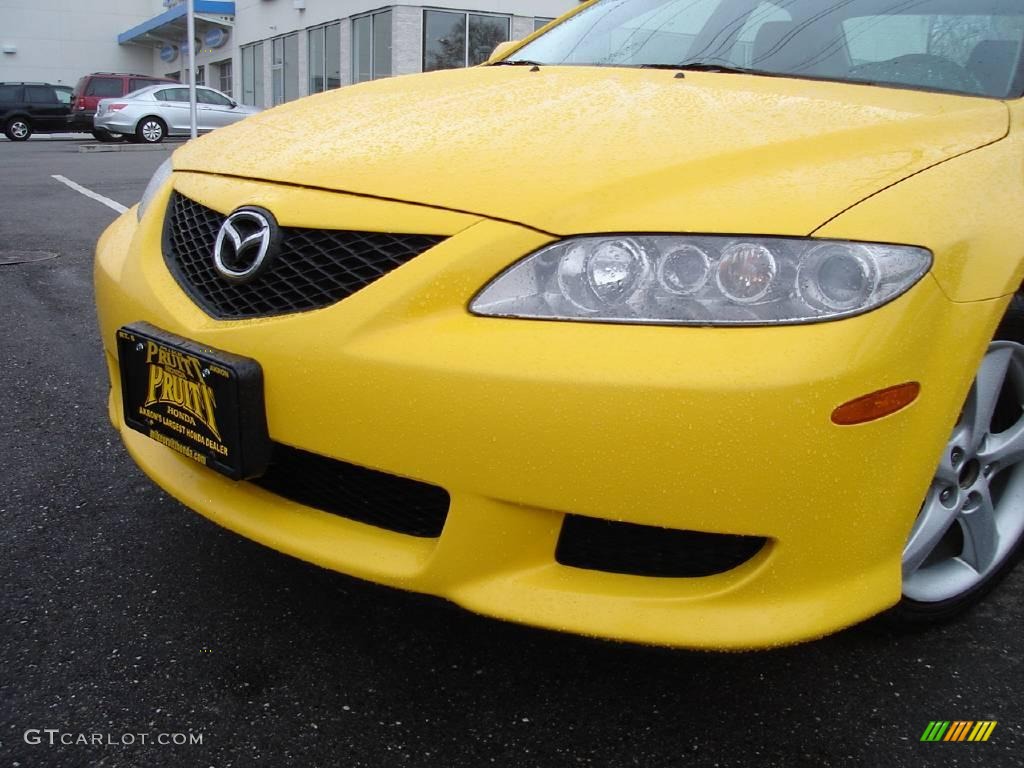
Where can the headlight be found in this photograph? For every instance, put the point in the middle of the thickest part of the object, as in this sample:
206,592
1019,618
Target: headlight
702,280
162,174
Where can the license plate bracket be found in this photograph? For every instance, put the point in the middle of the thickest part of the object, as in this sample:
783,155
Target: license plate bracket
204,403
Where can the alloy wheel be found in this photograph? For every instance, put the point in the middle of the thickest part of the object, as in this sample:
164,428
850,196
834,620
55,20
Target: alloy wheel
152,131
19,129
973,514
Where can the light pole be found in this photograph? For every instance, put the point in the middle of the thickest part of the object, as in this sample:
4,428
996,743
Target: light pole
191,33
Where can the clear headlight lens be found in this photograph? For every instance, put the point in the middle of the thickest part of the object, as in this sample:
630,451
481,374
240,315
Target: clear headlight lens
702,280
746,272
159,177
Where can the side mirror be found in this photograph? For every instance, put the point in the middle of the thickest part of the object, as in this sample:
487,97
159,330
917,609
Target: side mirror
503,49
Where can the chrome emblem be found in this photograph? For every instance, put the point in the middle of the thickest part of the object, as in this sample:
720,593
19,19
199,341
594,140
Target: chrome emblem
245,244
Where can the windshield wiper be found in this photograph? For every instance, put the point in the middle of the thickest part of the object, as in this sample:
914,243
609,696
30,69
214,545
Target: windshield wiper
707,66
515,63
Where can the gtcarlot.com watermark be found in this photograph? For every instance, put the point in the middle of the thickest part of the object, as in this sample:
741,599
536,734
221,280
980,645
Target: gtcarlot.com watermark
55,737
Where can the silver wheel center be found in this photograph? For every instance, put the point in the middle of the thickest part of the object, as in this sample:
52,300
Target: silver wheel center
974,511
19,129
151,131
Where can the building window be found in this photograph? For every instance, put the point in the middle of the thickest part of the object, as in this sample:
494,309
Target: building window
201,74
460,39
371,46
539,22
325,58
284,68
224,73
252,74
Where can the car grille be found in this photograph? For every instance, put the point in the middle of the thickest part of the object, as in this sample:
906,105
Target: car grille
357,493
644,550
314,268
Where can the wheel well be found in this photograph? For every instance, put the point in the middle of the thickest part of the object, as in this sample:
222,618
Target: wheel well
141,120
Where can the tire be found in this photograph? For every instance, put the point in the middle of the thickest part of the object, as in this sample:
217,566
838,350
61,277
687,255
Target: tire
982,483
106,136
18,129
150,130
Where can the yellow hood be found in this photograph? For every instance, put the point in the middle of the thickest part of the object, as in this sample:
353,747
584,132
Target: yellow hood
579,149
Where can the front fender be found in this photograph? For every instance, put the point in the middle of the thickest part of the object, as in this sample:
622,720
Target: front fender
968,210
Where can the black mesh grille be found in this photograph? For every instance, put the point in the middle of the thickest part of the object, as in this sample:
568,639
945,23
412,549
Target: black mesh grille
364,495
644,550
313,268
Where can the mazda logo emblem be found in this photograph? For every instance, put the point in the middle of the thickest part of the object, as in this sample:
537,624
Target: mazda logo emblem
246,244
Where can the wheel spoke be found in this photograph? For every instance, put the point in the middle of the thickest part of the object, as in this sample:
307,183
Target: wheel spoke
981,536
1004,448
933,522
981,403
946,474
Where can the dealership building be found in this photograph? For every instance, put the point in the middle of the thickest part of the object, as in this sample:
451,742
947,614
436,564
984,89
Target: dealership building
261,52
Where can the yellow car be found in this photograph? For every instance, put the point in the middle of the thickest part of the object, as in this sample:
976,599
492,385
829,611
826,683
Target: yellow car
658,326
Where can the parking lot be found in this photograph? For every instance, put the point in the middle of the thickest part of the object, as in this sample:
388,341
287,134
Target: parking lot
125,613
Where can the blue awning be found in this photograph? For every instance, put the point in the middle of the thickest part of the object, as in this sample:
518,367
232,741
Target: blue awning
169,26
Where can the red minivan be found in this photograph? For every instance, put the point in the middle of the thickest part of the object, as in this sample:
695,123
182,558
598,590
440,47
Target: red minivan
101,85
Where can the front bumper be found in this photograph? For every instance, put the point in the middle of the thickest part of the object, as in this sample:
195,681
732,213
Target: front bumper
719,430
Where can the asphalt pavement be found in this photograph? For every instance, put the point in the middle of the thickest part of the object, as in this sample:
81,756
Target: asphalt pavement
124,614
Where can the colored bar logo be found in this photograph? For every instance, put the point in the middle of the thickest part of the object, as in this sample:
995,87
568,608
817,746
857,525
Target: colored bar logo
959,730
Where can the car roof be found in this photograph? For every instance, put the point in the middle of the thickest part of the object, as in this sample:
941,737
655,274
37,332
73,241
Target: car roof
127,74
164,86
160,87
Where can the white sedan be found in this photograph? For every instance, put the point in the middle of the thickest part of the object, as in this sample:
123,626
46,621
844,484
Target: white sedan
150,114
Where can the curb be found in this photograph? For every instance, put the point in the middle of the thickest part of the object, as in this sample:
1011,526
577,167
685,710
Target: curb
116,147
51,137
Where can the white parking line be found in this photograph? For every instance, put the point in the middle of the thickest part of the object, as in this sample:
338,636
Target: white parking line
89,193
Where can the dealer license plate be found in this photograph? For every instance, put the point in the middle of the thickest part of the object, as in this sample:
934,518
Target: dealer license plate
204,403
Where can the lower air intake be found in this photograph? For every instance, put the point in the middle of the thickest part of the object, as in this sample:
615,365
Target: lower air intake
357,493
645,550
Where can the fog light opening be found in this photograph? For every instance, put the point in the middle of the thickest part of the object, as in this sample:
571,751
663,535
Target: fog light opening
876,405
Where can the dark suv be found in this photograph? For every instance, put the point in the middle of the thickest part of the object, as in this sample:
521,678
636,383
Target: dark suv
27,108
103,85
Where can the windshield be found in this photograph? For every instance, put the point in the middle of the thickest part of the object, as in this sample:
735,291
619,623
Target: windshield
946,45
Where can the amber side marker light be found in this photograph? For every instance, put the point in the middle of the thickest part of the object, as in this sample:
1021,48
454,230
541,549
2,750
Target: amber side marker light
884,402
